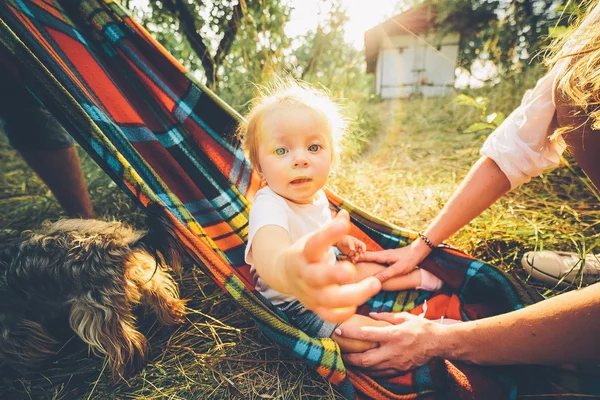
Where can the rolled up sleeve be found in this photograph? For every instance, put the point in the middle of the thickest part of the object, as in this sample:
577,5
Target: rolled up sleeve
520,145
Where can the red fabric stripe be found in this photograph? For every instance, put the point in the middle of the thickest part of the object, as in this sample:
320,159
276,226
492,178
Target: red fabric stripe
94,76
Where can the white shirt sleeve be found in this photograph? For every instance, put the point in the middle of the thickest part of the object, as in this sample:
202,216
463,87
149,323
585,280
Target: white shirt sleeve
520,145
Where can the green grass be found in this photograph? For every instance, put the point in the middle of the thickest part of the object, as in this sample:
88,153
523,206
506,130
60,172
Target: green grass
218,353
408,172
406,159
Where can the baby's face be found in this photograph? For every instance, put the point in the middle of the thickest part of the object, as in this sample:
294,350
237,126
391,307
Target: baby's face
294,153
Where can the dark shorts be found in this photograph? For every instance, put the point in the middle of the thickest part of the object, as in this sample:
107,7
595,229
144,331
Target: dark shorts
27,124
306,320
34,128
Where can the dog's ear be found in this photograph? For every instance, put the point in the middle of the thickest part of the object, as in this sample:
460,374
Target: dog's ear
109,330
24,342
161,240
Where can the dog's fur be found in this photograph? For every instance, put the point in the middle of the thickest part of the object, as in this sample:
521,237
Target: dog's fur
91,273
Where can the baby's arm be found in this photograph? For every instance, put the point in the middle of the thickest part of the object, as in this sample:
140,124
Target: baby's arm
417,278
411,280
301,269
269,248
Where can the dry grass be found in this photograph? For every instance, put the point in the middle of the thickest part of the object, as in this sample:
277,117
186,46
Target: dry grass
405,175
409,171
218,353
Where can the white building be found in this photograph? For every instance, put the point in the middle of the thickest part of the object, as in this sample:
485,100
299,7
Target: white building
409,57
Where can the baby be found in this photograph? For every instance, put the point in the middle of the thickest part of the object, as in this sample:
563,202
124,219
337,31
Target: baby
290,138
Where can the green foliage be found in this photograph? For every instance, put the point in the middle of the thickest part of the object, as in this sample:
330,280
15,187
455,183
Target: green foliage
216,37
487,122
508,33
325,60
259,50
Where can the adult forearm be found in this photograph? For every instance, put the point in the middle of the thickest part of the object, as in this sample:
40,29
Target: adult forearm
484,184
563,329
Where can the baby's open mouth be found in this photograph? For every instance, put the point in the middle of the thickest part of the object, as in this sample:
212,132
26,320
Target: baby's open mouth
299,181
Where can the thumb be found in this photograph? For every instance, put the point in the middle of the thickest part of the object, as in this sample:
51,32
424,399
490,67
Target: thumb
319,242
342,215
387,273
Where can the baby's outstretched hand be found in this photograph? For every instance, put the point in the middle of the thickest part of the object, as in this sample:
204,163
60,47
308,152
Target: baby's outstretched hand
351,247
324,288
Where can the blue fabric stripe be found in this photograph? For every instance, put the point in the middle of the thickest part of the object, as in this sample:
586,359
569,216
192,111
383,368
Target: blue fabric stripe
315,353
24,8
113,163
50,21
236,256
114,33
198,206
171,138
237,165
210,218
301,348
109,50
138,133
423,381
184,108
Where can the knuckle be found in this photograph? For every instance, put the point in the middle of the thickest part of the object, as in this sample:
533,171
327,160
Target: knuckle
366,362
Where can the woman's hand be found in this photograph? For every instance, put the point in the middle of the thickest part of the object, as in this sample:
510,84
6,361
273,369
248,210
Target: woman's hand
406,344
400,261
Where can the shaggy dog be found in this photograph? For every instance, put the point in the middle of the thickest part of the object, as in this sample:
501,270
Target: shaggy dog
91,273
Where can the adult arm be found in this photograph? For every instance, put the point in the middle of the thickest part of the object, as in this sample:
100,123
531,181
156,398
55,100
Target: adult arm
516,151
484,184
563,329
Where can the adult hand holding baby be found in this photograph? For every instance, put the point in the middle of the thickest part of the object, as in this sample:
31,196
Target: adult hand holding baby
409,342
400,261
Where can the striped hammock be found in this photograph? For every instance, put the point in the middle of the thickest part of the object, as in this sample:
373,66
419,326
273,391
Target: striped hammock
166,139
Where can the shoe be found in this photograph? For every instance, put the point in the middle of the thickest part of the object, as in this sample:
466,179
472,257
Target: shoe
566,269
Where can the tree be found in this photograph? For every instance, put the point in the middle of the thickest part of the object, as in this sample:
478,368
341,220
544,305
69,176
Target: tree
505,32
261,49
325,58
202,34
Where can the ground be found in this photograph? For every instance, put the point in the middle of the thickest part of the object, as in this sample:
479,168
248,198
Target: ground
404,174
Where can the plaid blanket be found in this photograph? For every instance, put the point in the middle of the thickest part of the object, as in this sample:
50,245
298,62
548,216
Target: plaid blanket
166,139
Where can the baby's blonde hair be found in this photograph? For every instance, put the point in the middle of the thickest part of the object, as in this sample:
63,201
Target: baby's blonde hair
579,77
290,92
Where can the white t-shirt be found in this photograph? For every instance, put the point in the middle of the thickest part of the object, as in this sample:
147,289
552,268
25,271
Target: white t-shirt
520,145
269,208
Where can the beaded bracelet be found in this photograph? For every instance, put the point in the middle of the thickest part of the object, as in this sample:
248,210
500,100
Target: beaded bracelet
426,240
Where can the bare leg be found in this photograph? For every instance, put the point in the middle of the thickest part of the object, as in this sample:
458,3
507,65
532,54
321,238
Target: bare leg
354,345
61,172
411,280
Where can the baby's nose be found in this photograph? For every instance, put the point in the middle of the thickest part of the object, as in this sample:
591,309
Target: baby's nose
300,162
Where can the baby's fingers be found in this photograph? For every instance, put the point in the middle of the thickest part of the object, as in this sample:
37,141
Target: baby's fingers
350,295
362,248
320,275
351,246
335,314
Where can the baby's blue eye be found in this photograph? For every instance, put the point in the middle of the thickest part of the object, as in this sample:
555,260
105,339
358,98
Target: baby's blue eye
314,147
280,151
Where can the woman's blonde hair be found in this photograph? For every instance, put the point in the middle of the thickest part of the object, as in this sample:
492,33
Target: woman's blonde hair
578,77
290,92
